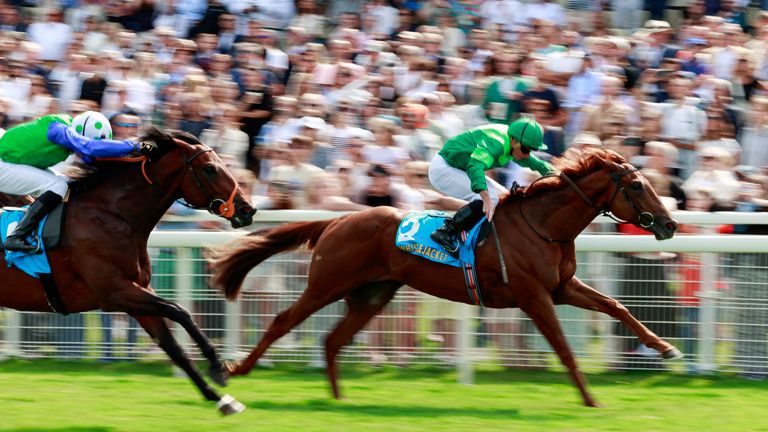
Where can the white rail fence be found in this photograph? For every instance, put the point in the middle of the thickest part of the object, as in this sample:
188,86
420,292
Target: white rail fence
708,294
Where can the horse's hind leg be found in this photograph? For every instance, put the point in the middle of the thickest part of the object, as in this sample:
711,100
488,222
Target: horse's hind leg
308,303
577,293
362,305
158,329
542,311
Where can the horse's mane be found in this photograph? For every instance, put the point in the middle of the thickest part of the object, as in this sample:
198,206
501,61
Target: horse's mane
86,176
589,161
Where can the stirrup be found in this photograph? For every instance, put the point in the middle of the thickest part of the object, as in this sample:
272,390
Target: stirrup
35,248
451,246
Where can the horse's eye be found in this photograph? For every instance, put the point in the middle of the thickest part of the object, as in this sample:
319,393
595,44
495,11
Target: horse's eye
637,186
209,170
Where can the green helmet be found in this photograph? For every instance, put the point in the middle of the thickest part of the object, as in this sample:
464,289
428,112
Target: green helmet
528,133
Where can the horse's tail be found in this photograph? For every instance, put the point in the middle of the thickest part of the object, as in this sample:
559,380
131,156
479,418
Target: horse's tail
232,263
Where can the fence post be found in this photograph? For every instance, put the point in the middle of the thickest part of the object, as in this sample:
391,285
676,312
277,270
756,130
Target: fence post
466,374
232,326
183,286
708,312
13,333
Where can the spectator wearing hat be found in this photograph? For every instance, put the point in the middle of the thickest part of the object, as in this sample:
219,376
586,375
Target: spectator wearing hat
379,191
713,171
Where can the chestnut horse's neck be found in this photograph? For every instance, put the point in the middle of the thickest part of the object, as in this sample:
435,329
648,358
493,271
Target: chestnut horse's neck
122,191
562,213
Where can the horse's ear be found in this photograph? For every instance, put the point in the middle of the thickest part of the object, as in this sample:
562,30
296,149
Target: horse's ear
154,135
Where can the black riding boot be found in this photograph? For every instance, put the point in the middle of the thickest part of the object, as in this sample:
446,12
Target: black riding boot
18,240
465,218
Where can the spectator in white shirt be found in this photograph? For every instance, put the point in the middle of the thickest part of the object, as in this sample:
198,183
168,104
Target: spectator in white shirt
387,17
546,10
52,34
682,123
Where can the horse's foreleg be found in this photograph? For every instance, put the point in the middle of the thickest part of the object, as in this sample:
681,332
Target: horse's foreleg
307,304
158,329
542,311
577,293
140,302
362,305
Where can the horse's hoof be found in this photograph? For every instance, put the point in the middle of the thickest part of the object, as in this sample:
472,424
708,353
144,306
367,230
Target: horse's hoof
228,405
672,354
219,375
232,368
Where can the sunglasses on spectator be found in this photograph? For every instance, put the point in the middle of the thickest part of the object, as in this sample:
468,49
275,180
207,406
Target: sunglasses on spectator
126,125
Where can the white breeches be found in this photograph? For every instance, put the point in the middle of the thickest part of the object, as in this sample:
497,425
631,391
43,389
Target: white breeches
27,180
455,182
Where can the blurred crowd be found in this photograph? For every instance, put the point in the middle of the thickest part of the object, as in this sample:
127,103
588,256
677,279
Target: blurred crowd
340,104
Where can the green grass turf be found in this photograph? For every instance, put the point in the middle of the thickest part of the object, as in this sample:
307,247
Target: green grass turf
83,396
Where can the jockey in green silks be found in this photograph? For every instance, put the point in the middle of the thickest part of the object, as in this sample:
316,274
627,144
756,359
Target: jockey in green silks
28,149
458,170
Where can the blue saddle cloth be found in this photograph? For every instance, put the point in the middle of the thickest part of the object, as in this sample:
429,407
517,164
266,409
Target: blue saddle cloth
413,237
31,264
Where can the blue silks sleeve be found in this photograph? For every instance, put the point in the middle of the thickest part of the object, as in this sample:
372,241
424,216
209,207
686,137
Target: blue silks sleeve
65,136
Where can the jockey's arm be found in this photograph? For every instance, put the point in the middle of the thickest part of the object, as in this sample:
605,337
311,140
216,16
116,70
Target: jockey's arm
541,166
480,161
65,136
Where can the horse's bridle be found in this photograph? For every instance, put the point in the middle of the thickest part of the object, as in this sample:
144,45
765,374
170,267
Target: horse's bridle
643,219
216,206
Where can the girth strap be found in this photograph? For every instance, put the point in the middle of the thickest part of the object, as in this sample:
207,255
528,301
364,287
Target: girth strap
470,278
52,294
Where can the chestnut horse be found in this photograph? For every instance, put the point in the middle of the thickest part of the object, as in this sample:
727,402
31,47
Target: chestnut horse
102,260
355,259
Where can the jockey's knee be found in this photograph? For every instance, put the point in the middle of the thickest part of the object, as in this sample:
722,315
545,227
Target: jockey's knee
59,188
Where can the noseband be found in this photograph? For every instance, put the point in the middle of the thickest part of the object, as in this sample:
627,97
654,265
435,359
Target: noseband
643,219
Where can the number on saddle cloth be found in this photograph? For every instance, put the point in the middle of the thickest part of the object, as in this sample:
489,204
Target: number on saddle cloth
413,237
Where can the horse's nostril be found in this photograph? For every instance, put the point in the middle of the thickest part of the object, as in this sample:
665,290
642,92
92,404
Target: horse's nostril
671,225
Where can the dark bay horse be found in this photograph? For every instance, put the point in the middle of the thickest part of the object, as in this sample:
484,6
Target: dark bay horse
102,261
355,259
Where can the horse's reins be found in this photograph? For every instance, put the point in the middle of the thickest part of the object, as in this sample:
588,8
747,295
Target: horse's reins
216,206
644,219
